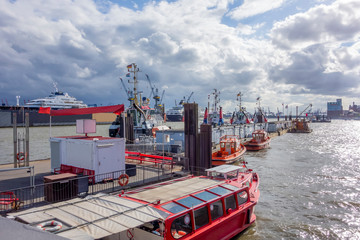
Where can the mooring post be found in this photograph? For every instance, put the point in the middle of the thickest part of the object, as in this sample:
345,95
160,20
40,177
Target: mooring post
15,138
205,146
191,133
27,138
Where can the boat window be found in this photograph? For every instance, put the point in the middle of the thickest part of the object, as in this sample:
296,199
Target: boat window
201,217
189,201
222,145
206,196
181,226
230,187
173,207
216,210
242,197
230,203
220,191
232,174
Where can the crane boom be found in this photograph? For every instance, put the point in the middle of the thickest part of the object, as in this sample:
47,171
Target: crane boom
125,89
151,86
310,105
162,96
189,97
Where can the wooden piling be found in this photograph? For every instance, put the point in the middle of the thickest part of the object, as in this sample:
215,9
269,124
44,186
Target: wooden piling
192,152
15,138
205,146
129,129
27,140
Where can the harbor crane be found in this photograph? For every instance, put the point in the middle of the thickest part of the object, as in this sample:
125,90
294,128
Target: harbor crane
129,93
188,99
310,105
155,93
162,96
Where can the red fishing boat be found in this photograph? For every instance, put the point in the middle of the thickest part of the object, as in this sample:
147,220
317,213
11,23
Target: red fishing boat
260,140
217,206
300,126
231,150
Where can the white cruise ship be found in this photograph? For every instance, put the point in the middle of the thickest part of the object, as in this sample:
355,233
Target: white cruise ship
57,100
175,114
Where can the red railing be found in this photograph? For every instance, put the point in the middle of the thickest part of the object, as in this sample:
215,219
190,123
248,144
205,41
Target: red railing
76,170
148,158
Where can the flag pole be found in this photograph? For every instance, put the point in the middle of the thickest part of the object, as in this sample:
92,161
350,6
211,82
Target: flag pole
50,122
50,125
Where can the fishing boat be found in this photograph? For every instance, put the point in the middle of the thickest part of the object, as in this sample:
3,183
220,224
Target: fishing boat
240,116
231,150
213,115
260,140
300,126
259,116
145,118
219,205
320,119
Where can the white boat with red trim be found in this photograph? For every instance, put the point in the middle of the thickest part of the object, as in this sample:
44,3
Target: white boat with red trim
217,206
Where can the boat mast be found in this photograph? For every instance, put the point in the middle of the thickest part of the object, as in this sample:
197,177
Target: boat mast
238,98
134,70
216,100
55,86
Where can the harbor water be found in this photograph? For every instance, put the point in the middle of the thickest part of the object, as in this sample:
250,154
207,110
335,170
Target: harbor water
309,183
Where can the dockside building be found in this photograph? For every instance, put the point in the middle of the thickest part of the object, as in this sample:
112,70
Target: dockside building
335,109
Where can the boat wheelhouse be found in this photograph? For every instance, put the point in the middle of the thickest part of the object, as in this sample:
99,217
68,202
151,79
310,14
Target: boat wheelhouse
217,206
260,140
143,116
231,150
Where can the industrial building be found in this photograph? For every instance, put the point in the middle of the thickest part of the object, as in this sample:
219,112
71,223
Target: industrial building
335,109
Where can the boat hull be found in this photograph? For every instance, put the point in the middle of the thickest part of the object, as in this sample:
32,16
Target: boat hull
300,131
228,228
253,146
36,118
174,118
228,159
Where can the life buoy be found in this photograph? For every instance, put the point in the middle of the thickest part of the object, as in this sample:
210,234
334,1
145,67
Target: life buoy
129,234
149,117
20,156
181,233
123,179
50,226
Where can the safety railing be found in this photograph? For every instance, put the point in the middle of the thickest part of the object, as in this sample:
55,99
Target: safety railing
81,186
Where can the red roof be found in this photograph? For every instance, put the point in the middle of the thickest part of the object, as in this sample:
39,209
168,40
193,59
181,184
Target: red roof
117,109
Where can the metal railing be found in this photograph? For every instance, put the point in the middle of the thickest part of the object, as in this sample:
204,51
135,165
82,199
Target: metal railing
80,186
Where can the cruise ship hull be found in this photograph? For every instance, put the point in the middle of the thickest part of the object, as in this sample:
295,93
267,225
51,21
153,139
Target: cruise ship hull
174,118
35,118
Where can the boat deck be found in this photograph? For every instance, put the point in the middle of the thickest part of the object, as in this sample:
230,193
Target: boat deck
167,193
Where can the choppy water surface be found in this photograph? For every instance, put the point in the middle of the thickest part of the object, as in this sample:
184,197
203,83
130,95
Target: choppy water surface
309,183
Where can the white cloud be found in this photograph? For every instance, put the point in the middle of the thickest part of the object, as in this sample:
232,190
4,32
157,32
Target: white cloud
254,7
323,24
182,45
82,72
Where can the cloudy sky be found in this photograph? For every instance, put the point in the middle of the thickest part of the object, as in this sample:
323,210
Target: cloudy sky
285,51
